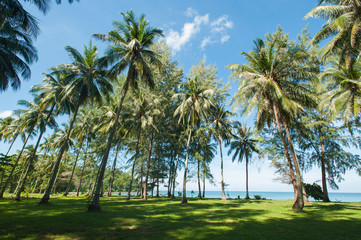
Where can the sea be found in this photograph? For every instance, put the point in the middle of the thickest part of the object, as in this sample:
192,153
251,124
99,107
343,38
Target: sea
334,197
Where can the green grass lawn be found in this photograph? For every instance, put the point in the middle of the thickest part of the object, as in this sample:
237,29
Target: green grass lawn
66,218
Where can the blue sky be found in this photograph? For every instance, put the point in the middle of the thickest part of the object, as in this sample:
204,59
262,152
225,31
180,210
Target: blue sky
214,31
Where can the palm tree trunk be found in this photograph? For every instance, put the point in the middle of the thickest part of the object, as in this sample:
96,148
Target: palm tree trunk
56,180
41,188
111,179
175,172
82,169
148,164
22,184
21,176
36,183
290,166
11,145
133,167
73,170
298,204
247,195
47,193
184,197
32,157
16,163
94,206
222,180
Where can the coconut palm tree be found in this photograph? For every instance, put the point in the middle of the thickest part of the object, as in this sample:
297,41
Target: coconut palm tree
40,118
269,82
345,93
16,53
344,24
27,121
130,42
221,130
87,80
243,144
194,103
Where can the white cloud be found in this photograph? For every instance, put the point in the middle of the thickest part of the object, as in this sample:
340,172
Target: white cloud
6,113
212,31
190,12
206,41
177,40
225,38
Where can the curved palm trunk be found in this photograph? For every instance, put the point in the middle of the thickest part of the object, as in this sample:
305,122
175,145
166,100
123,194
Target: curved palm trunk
290,166
175,172
299,203
22,182
73,170
247,195
46,196
111,179
32,157
184,197
16,164
222,180
148,165
94,206
11,145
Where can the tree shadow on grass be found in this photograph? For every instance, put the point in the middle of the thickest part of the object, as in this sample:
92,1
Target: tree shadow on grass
163,219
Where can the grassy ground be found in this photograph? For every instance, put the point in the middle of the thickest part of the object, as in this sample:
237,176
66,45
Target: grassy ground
66,218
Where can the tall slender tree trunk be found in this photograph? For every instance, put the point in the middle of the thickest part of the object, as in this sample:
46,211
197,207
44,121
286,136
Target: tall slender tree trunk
73,170
22,182
184,197
171,168
11,145
299,203
290,166
204,185
175,172
148,164
247,194
133,167
42,185
82,169
222,179
112,176
199,180
94,206
46,196
323,169
33,154
16,163
141,179
21,176
56,180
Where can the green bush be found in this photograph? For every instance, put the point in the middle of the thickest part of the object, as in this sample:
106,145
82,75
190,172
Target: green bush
314,190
